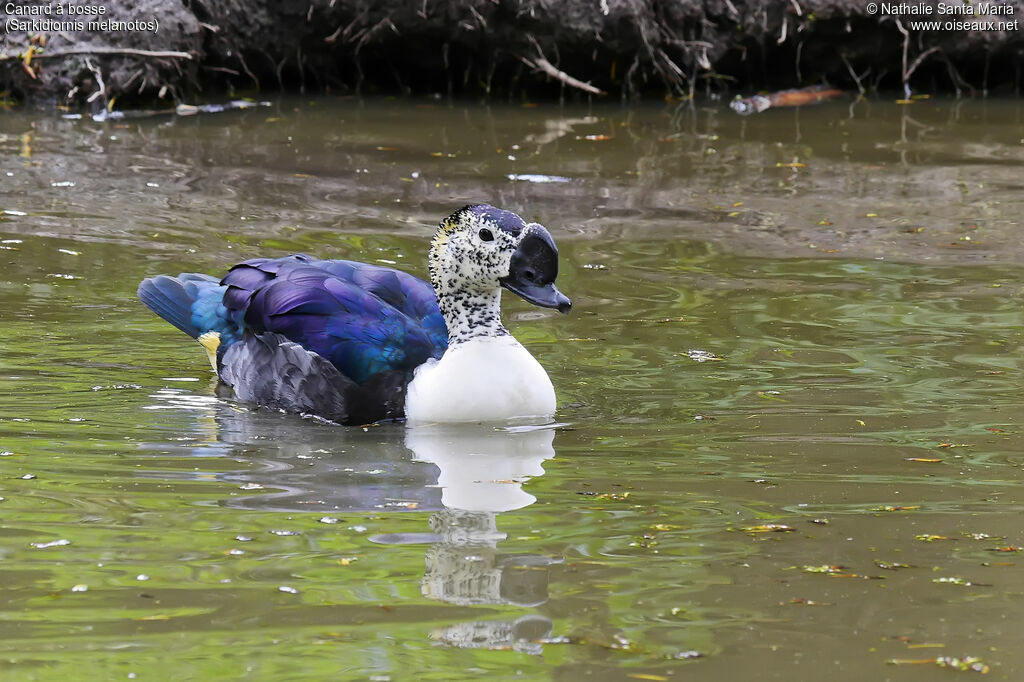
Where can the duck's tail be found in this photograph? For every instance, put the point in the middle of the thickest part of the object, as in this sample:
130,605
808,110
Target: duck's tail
175,299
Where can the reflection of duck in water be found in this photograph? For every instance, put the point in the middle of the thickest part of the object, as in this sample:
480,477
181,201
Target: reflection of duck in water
299,466
481,474
357,343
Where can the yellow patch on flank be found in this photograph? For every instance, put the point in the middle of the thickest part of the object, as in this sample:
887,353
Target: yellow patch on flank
211,342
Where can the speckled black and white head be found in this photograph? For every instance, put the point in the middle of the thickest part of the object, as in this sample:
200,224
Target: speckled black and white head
479,249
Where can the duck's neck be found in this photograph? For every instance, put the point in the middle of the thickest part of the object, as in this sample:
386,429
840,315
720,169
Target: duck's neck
471,315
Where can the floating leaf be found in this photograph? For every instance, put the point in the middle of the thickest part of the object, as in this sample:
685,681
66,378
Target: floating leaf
768,528
965,664
891,566
825,568
605,496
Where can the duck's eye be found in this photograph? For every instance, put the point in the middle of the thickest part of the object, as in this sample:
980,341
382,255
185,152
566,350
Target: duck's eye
486,235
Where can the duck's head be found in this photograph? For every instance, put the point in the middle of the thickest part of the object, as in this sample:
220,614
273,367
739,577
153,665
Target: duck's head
479,248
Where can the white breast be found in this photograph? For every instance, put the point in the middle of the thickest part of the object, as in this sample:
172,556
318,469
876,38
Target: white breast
482,379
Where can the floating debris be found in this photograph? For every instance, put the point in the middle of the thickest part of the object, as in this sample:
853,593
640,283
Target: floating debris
797,97
284,533
800,601
701,355
618,497
686,655
537,178
288,589
56,543
117,387
965,664
769,528
328,519
895,508
180,110
824,568
957,580
80,588
891,566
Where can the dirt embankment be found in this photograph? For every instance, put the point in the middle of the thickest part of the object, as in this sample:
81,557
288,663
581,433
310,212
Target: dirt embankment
152,50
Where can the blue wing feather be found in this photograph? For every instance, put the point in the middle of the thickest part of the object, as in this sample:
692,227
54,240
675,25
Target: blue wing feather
365,319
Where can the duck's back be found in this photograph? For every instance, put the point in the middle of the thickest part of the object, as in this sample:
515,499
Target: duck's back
335,338
363,318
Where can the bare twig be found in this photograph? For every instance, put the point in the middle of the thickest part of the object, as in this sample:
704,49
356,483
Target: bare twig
853,73
957,79
799,49
546,66
917,62
541,63
94,51
908,71
101,87
245,67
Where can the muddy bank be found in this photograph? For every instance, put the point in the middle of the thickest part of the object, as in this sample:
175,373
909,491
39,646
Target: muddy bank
94,52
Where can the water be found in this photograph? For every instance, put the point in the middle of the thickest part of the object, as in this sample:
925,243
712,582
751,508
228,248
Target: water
789,444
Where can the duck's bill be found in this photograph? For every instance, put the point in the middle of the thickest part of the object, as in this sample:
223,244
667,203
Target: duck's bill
533,269
546,296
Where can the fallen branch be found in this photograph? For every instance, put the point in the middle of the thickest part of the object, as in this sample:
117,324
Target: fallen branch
94,51
541,63
547,67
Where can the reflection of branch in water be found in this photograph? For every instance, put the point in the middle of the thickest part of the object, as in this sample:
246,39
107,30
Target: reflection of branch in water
556,128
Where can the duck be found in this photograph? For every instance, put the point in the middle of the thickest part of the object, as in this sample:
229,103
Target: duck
359,343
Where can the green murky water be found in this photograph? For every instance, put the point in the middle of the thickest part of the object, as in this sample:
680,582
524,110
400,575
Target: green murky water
790,389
